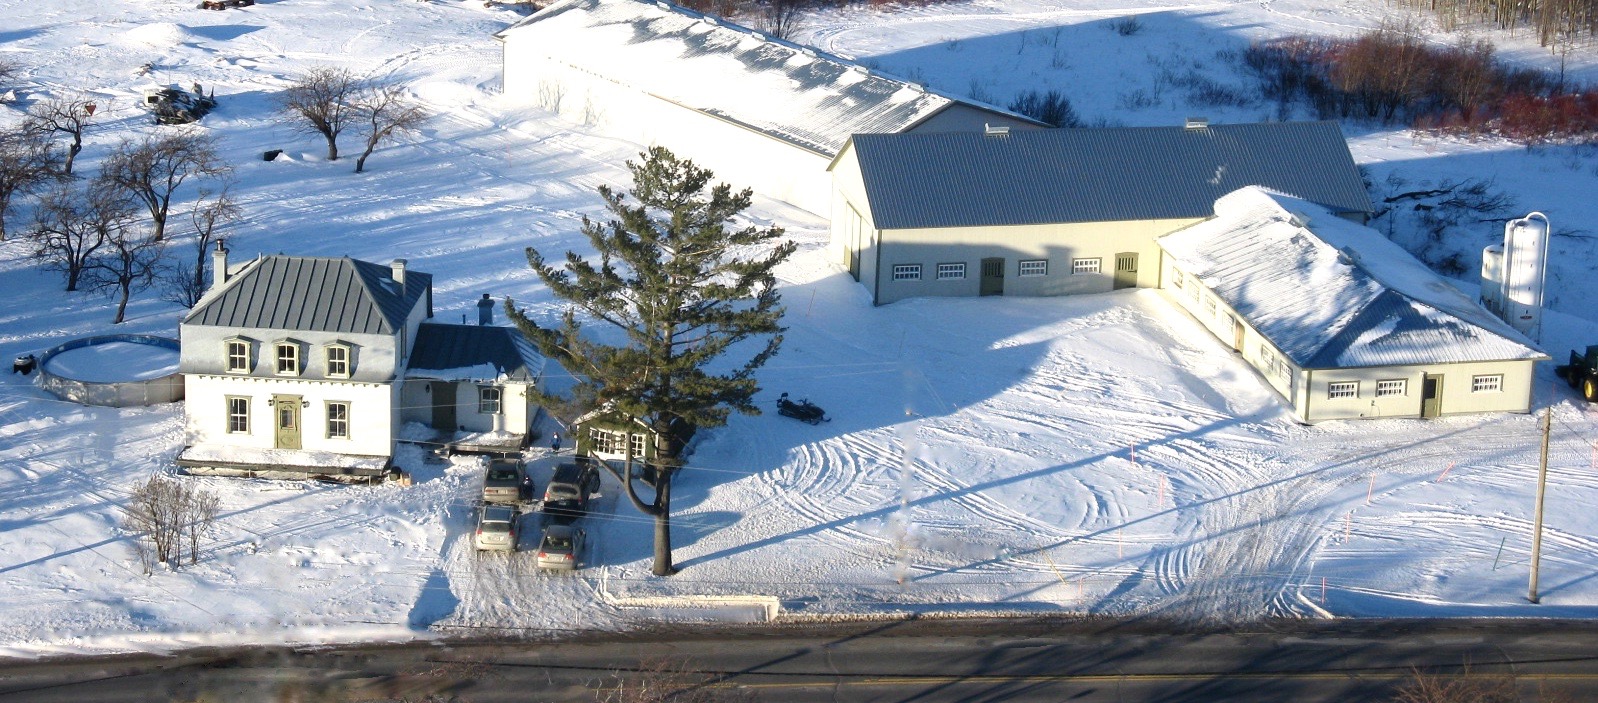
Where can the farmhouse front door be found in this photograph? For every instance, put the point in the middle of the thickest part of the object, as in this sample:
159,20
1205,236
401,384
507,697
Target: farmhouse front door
1431,395
443,406
286,414
1126,270
993,276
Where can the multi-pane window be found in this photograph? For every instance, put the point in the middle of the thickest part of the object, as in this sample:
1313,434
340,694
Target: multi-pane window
1491,383
338,420
238,356
1194,292
488,400
1209,306
907,272
1342,389
605,441
288,359
1035,267
1177,279
238,414
338,360
1085,265
948,272
1397,386
636,442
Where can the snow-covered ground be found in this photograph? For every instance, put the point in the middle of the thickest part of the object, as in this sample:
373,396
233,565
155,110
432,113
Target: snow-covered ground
1096,454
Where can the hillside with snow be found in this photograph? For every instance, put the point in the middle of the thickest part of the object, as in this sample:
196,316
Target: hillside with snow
1095,454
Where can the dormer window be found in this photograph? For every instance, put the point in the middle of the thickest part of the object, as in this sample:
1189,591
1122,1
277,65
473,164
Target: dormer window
288,359
237,351
338,360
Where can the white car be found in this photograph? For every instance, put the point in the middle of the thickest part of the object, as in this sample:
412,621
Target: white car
498,527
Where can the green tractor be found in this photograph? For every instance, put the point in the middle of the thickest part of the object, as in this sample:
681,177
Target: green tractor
1582,373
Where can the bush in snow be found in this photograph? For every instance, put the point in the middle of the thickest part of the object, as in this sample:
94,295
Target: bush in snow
1051,108
165,514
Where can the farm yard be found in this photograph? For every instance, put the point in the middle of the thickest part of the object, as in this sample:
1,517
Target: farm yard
1098,454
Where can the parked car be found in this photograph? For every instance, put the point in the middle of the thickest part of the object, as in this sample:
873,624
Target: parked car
562,547
502,483
569,490
498,528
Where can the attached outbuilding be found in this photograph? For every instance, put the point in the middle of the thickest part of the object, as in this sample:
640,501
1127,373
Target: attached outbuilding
1059,211
761,112
1341,321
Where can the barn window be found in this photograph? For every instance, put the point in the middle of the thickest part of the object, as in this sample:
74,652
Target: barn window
1489,383
488,400
1085,265
338,420
947,272
238,414
1342,389
1034,267
907,272
338,360
1397,386
1209,305
1176,279
238,356
288,359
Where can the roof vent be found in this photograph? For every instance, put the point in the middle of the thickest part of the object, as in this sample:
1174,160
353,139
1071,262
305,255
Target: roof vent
995,130
1347,255
807,51
1197,123
707,19
663,4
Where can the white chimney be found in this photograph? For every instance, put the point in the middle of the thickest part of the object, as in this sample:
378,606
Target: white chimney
218,266
399,272
995,130
1196,123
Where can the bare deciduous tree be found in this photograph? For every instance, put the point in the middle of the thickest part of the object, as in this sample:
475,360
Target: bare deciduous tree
72,223
780,18
8,72
27,161
185,284
152,169
70,115
385,112
124,265
324,100
163,514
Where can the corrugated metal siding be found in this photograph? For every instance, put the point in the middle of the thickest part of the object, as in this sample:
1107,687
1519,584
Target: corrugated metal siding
961,179
1312,292
809,98
314,294
440,347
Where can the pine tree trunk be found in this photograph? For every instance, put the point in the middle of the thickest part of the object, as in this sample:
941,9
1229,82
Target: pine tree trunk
663,565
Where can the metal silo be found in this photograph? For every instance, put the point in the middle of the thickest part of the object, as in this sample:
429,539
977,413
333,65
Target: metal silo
1525,272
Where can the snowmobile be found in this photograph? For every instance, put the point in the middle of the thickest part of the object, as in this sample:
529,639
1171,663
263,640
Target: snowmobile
802,410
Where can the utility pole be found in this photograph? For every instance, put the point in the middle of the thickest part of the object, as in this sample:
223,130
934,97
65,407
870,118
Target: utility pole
1537,518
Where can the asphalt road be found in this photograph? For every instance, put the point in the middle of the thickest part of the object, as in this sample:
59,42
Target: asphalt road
965,660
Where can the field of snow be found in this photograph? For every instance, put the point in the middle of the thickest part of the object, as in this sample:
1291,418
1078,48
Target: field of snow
1097,454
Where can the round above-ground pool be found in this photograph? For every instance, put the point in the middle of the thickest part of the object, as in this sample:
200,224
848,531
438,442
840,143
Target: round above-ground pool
117,370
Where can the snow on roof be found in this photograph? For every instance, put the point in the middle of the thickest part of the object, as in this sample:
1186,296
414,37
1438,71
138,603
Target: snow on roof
1331,293
798,94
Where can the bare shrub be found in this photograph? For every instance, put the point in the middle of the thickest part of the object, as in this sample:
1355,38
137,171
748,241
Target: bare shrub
1051,108
165,515
1127,26
185,283
666,681
780,18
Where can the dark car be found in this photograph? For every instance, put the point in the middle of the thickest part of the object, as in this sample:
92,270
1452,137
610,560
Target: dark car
569,490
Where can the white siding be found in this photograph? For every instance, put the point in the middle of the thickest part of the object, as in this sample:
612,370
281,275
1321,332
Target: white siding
371,413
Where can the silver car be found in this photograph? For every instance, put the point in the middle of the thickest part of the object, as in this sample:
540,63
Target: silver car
498,527
561,548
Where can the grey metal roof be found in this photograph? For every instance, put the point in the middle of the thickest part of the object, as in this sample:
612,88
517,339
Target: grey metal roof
965,179
473,351
794,93
1330,293
313,294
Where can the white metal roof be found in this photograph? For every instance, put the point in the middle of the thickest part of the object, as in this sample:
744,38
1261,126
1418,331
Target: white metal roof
798,94
1331,293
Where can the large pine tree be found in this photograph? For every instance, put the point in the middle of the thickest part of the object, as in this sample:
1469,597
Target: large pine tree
685,289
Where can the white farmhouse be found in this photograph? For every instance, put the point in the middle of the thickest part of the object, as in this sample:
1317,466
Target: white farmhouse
305,365
1340,320
761,112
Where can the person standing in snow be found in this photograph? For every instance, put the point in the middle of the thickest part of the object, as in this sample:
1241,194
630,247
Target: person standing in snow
554,442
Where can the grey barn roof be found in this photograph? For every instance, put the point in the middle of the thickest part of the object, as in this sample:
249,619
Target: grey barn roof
964,179
1333,294
790,92
313,294
460,352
